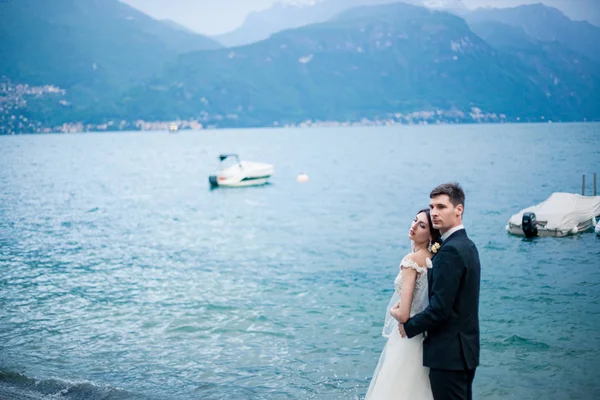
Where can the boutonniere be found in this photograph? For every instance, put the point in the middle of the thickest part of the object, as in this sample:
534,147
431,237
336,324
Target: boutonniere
434,247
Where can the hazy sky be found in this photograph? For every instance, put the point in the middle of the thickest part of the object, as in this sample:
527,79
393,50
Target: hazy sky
212,17
209,17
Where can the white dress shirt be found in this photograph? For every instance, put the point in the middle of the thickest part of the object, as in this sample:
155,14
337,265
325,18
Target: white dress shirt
451,231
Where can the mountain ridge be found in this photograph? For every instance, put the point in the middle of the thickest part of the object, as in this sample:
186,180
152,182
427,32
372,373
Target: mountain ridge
390,64
294,14
546,24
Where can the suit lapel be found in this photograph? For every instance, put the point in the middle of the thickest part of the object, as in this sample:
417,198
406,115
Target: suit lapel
430,279
457,234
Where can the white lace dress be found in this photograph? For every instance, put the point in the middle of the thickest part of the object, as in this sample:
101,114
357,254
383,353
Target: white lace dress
400,373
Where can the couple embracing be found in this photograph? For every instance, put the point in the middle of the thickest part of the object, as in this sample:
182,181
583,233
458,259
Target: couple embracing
433,323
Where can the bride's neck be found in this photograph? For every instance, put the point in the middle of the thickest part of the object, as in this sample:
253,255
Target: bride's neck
419,247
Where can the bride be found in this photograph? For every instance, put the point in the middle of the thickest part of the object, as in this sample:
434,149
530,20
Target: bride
400,373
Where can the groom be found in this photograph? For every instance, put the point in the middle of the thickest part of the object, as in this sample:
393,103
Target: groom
451,347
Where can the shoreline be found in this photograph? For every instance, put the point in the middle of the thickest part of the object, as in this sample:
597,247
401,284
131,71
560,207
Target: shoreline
185,127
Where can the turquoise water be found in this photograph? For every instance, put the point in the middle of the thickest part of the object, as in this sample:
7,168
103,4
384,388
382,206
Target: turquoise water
123,276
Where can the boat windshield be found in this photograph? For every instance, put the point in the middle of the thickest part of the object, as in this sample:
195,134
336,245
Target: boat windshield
229,162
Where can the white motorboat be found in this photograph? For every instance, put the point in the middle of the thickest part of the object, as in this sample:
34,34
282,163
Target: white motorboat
562,214
236,173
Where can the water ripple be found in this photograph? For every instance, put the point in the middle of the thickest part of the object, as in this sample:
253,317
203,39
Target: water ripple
124,277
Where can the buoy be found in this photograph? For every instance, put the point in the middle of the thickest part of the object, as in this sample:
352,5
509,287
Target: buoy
302,178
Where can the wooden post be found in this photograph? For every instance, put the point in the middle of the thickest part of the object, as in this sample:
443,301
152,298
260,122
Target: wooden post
595,187
583,185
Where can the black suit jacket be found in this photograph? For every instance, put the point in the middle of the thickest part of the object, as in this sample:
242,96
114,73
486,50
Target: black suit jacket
452,317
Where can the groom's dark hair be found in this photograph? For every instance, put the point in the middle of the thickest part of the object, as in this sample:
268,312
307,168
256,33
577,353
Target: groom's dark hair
453,190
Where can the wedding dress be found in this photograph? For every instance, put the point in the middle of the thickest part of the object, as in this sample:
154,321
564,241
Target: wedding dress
400,373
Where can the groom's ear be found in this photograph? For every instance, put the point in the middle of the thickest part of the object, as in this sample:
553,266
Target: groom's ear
460,209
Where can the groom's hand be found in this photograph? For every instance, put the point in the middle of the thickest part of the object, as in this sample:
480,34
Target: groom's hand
401,330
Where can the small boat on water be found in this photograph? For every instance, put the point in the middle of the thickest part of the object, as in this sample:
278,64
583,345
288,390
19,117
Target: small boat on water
173,128
236,173
562,214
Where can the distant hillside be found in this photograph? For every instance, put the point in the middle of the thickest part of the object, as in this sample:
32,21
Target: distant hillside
177,26
90,49
546,24
567,77
577,10
369,62
86,43
390,63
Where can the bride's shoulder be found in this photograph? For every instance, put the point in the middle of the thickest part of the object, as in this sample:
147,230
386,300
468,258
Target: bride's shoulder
417,261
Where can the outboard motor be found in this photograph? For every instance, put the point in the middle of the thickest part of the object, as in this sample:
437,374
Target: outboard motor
529,225
214,182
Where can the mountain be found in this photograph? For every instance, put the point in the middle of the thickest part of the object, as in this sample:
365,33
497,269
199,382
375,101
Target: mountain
86,43
547,25
293,14
577,10
59,58
386,63
177,26
370,62
564,75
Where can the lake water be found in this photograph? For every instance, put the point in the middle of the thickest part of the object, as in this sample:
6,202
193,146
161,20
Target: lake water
122,276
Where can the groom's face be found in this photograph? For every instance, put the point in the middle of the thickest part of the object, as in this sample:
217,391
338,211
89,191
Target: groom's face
444,215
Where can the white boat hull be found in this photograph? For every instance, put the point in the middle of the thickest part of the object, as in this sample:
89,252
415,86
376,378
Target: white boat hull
243,174
246,183
518,231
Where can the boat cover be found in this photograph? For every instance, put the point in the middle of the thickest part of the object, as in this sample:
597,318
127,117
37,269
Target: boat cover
562,212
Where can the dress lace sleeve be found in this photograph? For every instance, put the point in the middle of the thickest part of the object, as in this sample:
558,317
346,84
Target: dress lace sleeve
408,262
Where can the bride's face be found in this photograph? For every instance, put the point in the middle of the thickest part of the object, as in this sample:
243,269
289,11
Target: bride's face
419,229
